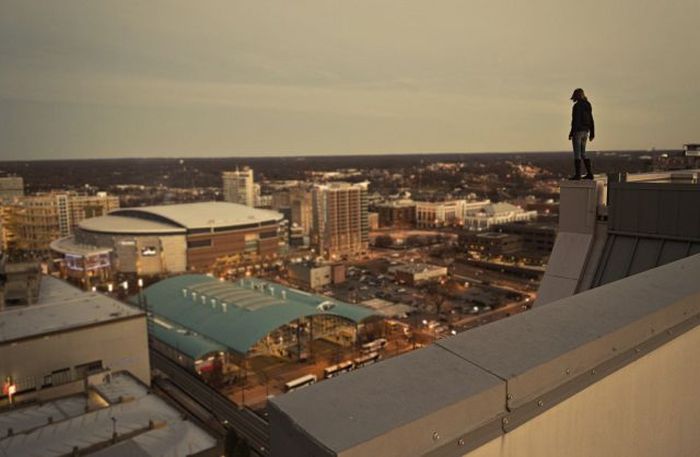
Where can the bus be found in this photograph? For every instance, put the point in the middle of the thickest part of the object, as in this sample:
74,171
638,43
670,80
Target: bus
298,383
374,346
368,359
336,370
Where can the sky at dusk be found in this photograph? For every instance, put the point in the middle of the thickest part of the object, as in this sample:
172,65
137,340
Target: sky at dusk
92,79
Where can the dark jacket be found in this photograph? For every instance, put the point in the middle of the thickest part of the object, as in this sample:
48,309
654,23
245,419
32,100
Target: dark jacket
582,118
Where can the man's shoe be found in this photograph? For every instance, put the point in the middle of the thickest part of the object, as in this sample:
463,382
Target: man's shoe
589,169
577,168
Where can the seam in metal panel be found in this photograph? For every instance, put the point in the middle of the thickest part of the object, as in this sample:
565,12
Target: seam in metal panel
660,251
630,260
471,362
602,263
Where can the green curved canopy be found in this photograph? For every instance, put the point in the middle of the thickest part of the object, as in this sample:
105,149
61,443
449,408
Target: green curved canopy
238,314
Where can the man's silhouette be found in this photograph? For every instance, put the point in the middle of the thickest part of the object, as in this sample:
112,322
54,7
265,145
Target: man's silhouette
582,129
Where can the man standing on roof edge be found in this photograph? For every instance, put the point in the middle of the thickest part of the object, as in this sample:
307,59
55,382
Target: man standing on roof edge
582,129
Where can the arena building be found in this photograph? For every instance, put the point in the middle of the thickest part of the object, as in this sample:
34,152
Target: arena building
167,239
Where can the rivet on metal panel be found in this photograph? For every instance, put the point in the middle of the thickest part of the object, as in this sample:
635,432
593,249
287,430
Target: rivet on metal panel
568,371
460,442
509,396
540,403
436,436
594,372
505,421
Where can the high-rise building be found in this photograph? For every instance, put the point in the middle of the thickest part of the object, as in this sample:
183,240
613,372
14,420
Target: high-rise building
10,187
35,221
239,186
298,198
340,225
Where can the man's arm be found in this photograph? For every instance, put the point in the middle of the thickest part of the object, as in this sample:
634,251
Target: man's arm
571,132
591,135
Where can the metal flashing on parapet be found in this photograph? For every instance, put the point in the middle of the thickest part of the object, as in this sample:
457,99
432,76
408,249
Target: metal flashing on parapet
516,417
524,413
470,440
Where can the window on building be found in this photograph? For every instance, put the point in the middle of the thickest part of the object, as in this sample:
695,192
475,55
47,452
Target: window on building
199,243
85,369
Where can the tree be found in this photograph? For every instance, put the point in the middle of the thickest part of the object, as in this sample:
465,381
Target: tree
383,241
231,442
242,449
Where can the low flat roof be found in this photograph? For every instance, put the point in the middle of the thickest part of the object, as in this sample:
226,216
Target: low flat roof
201,214
112,223
416,267
35,435
61,307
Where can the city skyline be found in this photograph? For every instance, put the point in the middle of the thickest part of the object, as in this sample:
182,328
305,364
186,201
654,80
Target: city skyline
102,80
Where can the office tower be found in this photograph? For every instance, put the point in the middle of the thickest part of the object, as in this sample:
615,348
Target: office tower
340,225
239,186
10,187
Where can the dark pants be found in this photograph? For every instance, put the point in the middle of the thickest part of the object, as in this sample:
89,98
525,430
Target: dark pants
579,141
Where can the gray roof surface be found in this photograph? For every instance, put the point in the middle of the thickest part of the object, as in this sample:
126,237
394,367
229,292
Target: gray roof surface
202,214
526,356
112,223
352,409
27,418
60,307
53,289
172,437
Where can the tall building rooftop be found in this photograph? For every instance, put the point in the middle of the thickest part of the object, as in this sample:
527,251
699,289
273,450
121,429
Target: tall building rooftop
467,390
600,367
609,229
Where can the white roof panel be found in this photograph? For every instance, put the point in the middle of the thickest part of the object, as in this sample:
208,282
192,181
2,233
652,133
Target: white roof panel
123,224
204,214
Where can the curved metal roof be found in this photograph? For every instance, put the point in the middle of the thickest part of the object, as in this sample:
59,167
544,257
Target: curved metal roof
112,223
237,315
201,215
192,345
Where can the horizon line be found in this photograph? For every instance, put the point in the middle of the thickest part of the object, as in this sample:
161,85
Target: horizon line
403,154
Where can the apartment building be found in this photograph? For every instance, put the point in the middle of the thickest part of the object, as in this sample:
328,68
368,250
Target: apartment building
239,186
33,222
340,225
